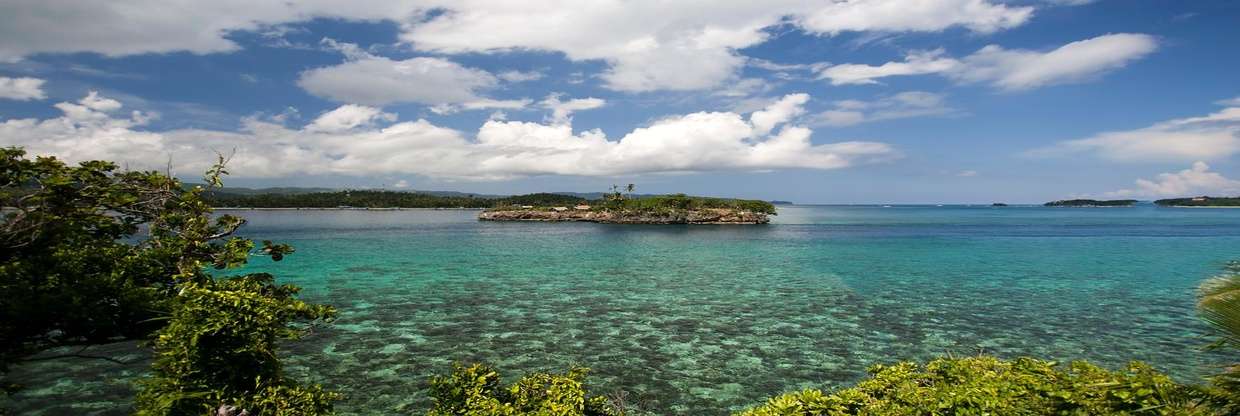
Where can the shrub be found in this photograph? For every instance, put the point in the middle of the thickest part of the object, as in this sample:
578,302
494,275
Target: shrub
476,391
989,386
220,348
75,270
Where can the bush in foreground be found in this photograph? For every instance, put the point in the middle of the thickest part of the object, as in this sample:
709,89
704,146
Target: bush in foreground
220,347
476,390
990,386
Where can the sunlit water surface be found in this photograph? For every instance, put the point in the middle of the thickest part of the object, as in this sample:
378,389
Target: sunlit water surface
705,320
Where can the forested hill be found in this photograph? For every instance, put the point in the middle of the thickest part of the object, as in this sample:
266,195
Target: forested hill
379,199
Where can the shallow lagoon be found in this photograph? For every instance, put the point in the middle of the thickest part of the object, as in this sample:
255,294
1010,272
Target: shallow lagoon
709,319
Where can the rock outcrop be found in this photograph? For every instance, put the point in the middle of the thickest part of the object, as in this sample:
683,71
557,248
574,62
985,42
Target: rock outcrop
683,216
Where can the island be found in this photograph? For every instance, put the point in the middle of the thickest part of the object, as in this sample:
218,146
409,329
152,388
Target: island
662,209
998,204
1201,202
1092,203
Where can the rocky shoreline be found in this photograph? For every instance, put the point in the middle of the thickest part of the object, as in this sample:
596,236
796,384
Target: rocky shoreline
684,216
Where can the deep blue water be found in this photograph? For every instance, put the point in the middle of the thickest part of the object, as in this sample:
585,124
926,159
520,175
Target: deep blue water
712,319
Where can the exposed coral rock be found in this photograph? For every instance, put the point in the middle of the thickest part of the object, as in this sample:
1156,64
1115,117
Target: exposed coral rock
684,216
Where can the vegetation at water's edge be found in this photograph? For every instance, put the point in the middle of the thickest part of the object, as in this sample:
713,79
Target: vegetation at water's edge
393,199
1092,203
1204,201
91,255
379,199
655,204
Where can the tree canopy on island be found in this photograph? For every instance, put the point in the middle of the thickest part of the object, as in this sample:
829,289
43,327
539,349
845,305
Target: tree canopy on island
1202,201
1092,203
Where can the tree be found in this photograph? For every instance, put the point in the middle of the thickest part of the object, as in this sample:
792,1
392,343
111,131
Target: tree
1218,301
92,254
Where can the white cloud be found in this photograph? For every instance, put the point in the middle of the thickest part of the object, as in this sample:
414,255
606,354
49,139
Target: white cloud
647,43
907,104
1010,69
481,104
129,27
1021,69
348,117
375,80
1211,137
916,63
21,89
779,112
1195,181
966,173
1230,102
518,76
349,141
745,87
562,111
908,16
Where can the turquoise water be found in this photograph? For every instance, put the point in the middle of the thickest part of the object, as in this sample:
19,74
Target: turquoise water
705,320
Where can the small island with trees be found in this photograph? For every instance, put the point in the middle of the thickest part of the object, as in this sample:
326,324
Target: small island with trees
1200,202
1091,203
622,208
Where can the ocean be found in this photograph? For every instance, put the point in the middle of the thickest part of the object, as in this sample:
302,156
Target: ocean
710,319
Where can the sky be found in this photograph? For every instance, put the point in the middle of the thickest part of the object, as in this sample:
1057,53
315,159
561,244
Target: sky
829,101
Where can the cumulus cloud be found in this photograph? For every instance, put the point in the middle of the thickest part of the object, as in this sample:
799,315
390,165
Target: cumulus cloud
779,112
646,43
129,27
1210,137
375,80
21,89
348,117
907,104
1195,181
907,16
561,111
1009,69
358,140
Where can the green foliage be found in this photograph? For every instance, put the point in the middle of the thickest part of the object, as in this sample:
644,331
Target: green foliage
1207,201
662,203
1218,302
91,254
476,390
220,347
989,386
543,199
63,243
1091,203
381,199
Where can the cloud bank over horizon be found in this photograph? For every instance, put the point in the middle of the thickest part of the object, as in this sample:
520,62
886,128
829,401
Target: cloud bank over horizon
363,140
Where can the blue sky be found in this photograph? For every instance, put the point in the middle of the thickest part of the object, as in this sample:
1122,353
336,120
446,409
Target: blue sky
863,101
